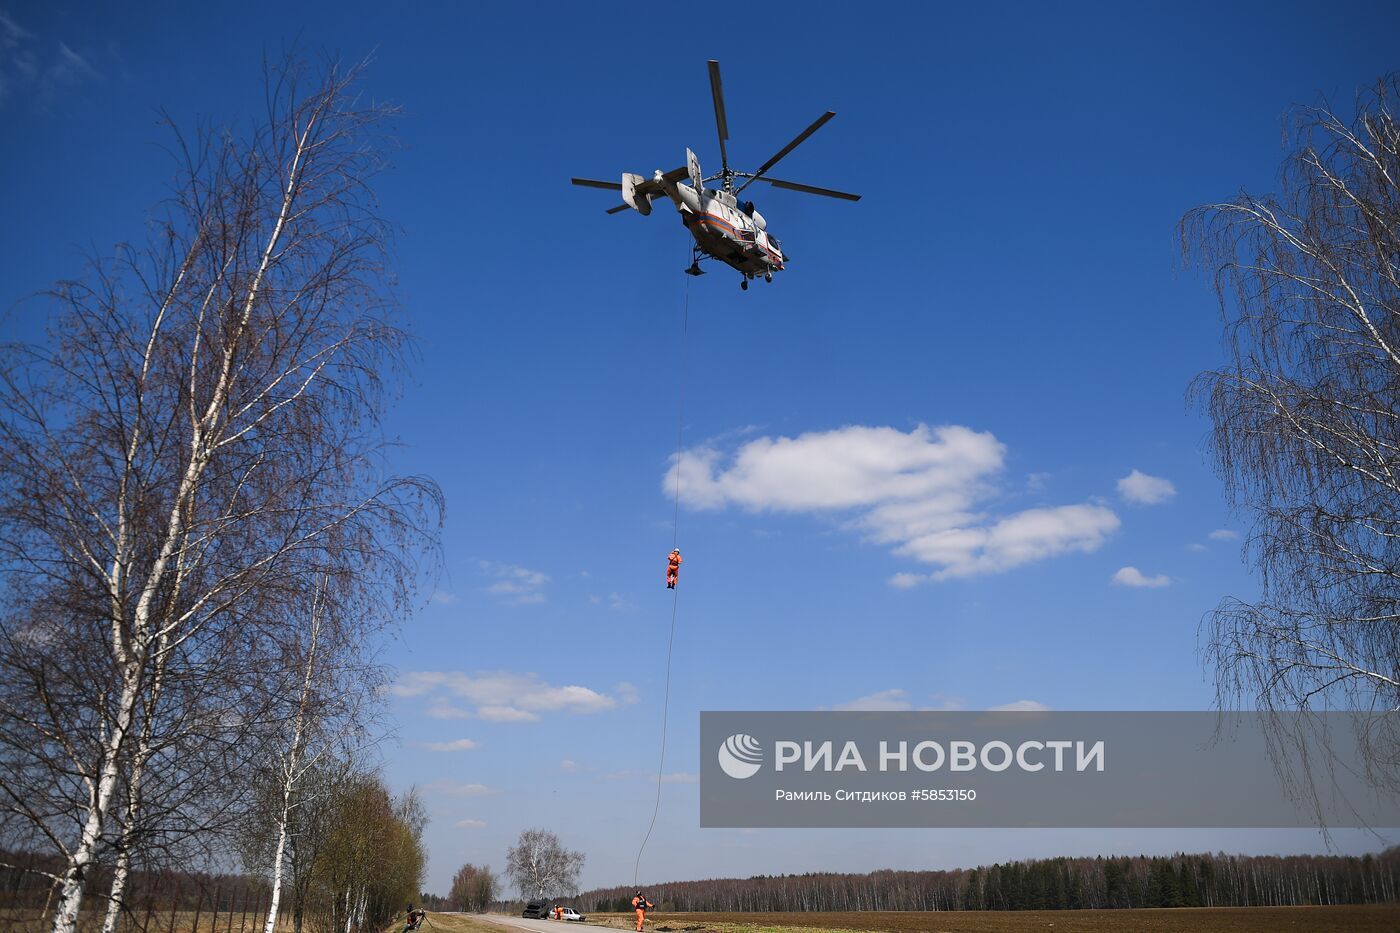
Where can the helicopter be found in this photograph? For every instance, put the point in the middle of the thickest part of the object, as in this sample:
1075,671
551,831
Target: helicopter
724,226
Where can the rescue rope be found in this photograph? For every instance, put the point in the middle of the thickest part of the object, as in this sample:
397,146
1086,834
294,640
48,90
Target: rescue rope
675,593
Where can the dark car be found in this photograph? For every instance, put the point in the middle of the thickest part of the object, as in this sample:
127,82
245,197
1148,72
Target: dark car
536,910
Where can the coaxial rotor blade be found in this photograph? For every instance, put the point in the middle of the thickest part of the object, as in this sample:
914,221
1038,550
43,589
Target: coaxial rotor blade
593,183
721,122
817,124
810,189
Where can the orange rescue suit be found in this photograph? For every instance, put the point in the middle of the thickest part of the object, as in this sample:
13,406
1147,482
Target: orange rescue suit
642,905
673,568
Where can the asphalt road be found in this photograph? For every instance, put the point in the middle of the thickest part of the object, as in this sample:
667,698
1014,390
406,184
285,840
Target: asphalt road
535,926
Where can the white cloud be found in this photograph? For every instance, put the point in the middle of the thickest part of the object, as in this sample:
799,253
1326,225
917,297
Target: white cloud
514,585
503,696
458,789
898,700
1197,547
1138,487
1021,706
1019,539
571,766
469,824
40,634
40,71
443,598
1223,534
848,467
923,492
11,32
456,745
895,699
1131,576
614,601
506,714
67,70
441,709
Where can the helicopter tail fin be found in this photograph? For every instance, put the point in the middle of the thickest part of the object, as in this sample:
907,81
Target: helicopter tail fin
639,201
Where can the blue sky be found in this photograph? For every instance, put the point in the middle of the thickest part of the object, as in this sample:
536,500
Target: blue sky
917,463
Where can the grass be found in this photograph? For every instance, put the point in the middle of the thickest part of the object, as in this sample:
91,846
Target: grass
458,923
21,920
1351,919
1348,919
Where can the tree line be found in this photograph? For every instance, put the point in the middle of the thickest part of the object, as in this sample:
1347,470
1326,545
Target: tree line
1181,880
201,539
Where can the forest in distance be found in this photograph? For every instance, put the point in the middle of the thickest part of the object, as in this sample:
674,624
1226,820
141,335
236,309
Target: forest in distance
1202,880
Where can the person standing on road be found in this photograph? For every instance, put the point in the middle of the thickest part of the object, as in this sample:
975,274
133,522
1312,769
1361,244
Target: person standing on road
642,905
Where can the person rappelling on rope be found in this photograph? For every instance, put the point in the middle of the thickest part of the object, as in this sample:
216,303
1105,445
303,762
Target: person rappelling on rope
639,900
673,568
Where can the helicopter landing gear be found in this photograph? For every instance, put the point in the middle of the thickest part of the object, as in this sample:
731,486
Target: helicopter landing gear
744,284
768,277
695,269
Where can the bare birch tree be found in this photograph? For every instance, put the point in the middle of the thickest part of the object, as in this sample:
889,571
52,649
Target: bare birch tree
540,866
195,448
1307,419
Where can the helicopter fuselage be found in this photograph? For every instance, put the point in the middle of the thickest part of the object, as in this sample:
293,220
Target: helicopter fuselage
725,229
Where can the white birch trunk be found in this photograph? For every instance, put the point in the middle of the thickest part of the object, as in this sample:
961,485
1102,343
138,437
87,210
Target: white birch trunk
291,774
114,903
277,860
70,897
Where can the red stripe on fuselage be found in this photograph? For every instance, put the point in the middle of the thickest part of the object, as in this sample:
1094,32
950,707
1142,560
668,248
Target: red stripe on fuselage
711,220
715,220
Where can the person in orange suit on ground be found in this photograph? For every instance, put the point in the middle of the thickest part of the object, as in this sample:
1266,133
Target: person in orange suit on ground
639,900
673,568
